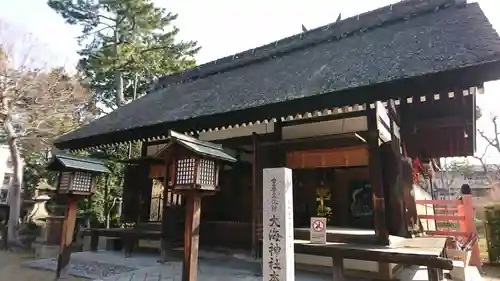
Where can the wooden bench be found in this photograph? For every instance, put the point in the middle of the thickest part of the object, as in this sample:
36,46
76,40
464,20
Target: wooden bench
424,251
129,236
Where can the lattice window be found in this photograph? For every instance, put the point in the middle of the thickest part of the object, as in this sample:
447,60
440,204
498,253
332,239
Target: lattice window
82,182
207,172
185,171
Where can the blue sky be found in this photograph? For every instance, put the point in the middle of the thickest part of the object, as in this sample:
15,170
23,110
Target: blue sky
222,27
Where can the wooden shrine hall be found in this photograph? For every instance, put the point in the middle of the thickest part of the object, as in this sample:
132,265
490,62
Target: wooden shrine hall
348,106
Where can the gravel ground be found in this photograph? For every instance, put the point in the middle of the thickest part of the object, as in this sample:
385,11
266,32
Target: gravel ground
11,269
82,268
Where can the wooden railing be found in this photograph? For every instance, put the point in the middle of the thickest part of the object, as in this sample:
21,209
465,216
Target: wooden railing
451,218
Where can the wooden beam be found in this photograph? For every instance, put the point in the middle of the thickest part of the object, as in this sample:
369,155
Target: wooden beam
393,112
324,118
370,253
309,140
449,121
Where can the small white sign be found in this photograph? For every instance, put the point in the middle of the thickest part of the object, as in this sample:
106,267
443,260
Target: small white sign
278,252
318,230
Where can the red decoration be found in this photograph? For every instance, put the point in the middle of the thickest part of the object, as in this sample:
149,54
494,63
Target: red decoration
416,167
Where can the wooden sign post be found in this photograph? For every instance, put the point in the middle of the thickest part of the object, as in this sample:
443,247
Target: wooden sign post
278,244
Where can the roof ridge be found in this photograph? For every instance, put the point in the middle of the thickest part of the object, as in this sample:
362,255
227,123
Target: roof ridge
80,158
389,14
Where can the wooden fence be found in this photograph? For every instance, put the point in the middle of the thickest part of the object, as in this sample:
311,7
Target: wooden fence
450,218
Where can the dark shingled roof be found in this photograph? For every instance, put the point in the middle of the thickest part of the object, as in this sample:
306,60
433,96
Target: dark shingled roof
63,161
407,40
205,148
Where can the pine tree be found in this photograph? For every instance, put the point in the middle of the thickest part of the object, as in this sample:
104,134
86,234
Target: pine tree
125,45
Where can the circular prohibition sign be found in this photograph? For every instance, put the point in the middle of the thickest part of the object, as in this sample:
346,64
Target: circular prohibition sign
318,226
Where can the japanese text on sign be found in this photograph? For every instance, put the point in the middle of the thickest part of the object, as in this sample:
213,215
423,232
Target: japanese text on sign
278,256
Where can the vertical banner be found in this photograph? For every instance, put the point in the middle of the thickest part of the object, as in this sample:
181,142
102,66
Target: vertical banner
278,241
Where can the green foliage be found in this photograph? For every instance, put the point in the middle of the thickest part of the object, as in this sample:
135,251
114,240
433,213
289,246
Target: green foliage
108,188
130,38
31,229
492,214
125,45
34,171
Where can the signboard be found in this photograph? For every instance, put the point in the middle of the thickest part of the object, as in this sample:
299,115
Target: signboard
318,230
278,253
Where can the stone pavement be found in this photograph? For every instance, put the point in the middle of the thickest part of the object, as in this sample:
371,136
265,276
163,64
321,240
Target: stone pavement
112,266
207,271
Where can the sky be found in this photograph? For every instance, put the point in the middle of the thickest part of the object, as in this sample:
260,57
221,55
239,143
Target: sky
224,27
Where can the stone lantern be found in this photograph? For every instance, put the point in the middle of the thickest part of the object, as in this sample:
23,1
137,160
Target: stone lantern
75,182
192,170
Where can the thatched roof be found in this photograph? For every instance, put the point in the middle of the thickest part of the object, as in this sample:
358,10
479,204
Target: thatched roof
364,56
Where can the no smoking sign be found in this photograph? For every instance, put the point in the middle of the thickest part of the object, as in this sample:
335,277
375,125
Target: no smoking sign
318,226
318,230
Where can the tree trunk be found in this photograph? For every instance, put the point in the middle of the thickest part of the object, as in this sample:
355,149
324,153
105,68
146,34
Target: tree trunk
120,99
15,188
134,97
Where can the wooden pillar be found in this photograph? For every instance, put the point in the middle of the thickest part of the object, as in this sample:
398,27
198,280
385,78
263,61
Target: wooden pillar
145,188
338,268
375,174
67,238
376,179
432,274
191,237
166,239
254,195
397,222
106,201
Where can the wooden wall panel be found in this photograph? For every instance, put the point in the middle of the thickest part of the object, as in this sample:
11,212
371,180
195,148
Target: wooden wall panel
156,171
323,158
340,193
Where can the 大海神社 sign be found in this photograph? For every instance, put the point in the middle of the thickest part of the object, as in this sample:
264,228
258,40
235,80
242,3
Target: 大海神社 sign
278,252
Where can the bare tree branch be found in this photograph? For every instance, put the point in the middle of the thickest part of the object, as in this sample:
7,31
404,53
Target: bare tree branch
481,158
36,106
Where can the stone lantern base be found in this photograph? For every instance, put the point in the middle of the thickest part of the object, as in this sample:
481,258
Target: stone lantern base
53,229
